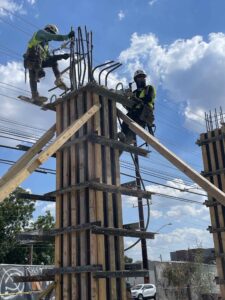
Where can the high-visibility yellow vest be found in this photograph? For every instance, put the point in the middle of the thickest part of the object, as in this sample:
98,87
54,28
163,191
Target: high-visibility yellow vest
34,42
142,96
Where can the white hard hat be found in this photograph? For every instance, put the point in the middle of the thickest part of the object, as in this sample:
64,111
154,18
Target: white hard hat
138,73
52,28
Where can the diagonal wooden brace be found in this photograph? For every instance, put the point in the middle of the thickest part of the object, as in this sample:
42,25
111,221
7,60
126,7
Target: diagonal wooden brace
19,177
210,188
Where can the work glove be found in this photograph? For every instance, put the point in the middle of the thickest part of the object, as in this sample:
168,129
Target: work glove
71,34
66,56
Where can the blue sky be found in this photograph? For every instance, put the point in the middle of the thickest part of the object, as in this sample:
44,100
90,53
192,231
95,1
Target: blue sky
181,46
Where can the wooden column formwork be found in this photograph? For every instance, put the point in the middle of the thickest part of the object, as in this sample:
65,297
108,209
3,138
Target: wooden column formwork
81,162
213,152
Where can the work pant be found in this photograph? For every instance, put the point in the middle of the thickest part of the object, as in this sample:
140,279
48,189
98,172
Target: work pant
34,75
129,134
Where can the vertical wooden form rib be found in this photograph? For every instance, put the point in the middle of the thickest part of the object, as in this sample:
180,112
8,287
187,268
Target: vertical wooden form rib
213,159
58,239
109,216
92,201
99,201
74,210
119,247
82,200
66,206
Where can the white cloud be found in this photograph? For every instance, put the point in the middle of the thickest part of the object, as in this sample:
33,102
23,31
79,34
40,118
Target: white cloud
191,71
156,213
49,207
13,73
32,2
178,239
152,2
121,15
13,6
7,6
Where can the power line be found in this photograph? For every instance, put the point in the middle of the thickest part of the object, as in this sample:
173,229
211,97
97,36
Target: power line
14,26
19,17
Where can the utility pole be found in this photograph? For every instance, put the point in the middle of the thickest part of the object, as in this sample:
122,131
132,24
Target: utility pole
160,256
141,217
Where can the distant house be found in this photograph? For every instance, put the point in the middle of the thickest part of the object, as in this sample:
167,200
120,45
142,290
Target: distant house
207,256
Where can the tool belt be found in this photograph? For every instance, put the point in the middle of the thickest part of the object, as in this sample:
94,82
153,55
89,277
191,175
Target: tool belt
147,115
33,59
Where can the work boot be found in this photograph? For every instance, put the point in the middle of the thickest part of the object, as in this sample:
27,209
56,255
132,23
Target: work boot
60,84
37,98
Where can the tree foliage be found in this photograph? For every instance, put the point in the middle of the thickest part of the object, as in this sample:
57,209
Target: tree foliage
44,253
15,215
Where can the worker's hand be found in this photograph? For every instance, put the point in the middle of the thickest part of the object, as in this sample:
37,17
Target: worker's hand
66,56
71,34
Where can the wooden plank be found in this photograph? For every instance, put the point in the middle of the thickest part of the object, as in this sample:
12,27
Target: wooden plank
85,289
92,200
26,158
35,197
58,224
109,198
169,155
113,143
118,205
10,186
122,232
94,88
74,221
99,201
33,278
69,270
107,188
66,206
120,274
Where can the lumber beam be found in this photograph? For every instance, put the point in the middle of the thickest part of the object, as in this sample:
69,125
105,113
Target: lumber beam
96,89
118,145
119,274
40,237
101,140
33,278
73,270
210,188
108,188
122,232
81,227
35,197
10,186
28,156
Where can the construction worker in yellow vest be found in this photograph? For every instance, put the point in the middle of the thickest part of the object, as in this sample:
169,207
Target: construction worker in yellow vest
142,111
38,57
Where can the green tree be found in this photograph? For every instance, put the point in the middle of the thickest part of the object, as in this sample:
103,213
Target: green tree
15,214
128,260
44,253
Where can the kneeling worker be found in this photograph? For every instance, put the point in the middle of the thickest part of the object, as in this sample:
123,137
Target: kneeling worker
142,111
38,57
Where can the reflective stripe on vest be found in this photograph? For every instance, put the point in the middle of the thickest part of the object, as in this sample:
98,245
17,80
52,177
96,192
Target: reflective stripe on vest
35,42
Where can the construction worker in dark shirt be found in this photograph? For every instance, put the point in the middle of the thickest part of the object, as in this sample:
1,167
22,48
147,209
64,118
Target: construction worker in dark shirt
142,111
38,57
